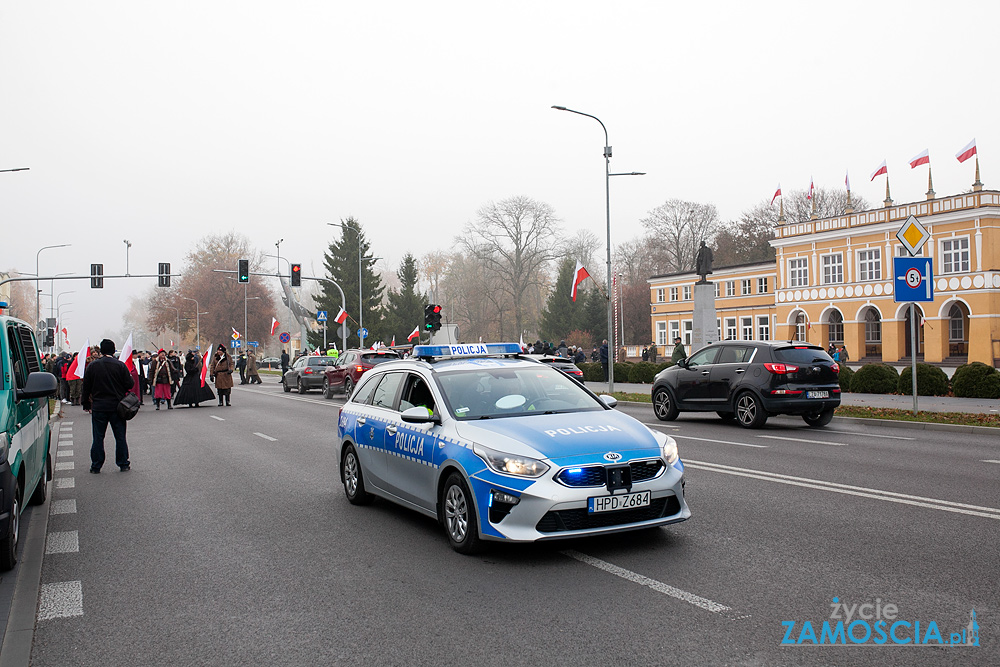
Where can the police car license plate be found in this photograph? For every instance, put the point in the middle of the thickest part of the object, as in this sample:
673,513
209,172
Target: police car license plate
625,501
817,394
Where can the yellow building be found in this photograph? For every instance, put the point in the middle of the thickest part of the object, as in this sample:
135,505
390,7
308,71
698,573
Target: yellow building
744,304
832,283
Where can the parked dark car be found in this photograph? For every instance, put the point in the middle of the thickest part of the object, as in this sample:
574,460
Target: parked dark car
750,381
306,373
269,362
561,363
344,372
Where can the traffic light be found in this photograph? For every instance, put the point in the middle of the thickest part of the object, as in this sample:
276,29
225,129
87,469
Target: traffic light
96,276
432,317
50,338
163,280
243,272
296,275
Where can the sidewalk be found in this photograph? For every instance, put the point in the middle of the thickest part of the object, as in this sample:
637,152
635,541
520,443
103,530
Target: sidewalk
924,403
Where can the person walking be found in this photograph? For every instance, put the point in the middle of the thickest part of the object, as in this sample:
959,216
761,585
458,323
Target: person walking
192,392
222,374
604,358
241,366
105,383
161,379
679,352
253,377
844,357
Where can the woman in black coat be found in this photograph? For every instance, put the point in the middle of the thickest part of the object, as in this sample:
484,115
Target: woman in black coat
192,392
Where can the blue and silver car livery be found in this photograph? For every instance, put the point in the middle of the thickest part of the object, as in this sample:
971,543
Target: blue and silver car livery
499,447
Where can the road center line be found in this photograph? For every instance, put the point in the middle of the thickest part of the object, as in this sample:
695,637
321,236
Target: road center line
815,442
660,425
990,461
217,418
266,437
658,586
724,442
865,435
318,401
847,489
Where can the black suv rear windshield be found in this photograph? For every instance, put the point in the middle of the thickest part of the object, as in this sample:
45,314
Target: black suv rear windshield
801,354
378,357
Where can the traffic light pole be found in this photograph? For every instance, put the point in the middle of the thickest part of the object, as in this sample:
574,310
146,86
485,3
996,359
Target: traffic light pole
32,279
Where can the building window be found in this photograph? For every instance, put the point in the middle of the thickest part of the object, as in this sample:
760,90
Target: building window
762,286
718,328
869,264
688,332
955,255
873,327
956,324
675,330
731,331
798,272
731,288
659,295
718,290
833,269
745,286
901,251
673,294
746,324
763,327
687,292
801,325
836,328
661,333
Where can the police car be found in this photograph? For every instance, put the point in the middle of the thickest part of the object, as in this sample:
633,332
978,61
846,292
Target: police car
500,447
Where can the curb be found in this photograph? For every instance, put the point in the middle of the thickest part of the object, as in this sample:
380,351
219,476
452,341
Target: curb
20,634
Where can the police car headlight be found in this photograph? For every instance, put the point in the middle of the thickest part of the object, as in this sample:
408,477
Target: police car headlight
509,464
668,447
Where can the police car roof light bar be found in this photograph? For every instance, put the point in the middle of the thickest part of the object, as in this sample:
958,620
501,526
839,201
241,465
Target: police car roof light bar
461,351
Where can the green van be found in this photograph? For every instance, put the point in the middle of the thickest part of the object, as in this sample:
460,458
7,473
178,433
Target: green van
25,461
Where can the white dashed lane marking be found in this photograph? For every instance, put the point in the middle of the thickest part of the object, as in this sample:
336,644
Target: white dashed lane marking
63,599
65,424
64,452
64,465
990,461
724,442
64,506
65,482
67,542
812,442
218,418
266,437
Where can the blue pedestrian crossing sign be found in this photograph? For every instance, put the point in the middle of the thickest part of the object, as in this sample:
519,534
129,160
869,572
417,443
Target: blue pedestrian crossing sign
234,343
913,279
321,316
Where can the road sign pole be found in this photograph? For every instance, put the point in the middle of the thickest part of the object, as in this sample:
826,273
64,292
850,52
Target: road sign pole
324,335
913,352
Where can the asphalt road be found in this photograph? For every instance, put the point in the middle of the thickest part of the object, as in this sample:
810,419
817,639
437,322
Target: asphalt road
231,543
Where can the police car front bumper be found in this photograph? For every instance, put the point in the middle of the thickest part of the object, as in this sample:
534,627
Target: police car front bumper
548,510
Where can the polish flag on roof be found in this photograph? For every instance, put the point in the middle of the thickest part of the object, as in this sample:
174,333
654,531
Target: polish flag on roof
967,152
777,193
923,157
341,316
578,277
882,169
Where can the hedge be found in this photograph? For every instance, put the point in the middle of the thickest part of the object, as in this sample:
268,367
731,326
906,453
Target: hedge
931,381
875,379
642,372
975,380
592,371
845,378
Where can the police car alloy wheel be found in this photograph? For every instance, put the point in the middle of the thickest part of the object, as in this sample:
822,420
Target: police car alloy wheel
354,481
8,545
460,516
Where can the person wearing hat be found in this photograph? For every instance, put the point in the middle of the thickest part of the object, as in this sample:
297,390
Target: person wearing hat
192,392
222,373
679,352
105,383
161,378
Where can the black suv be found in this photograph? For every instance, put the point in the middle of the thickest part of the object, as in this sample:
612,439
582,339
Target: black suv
751,380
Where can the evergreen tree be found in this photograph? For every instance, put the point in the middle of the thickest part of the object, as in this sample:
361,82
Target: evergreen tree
561,314
341,264
595,319
405,308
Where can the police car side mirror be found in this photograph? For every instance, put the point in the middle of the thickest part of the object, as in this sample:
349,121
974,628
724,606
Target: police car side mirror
609,400
39,384
420,415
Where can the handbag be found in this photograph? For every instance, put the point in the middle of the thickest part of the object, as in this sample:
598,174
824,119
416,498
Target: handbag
128,406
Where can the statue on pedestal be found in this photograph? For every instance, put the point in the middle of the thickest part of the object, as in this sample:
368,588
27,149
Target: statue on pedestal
703,263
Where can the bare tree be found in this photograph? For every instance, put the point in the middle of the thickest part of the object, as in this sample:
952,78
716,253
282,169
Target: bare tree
677,229
515,239
434,266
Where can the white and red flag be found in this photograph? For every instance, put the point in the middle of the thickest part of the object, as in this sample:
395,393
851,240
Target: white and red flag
414,334
126,355
777,193
578,277
341,316
847,180
79,363
274,325
393,343
811,188
967,152
204,365
923,157
882,169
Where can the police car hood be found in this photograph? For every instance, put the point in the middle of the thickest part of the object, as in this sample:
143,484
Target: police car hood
559,436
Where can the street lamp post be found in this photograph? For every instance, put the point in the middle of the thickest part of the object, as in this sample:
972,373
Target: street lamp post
128,244
197,319
612,354
37,290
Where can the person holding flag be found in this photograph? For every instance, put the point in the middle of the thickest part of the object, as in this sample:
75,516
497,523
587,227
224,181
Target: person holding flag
105,383
193,389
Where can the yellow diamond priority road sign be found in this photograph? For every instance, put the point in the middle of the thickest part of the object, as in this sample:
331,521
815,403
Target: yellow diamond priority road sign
912,235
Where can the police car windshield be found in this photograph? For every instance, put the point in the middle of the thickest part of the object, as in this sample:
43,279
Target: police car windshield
489,393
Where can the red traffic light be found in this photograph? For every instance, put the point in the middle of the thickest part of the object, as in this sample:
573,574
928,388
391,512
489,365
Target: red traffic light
437,309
